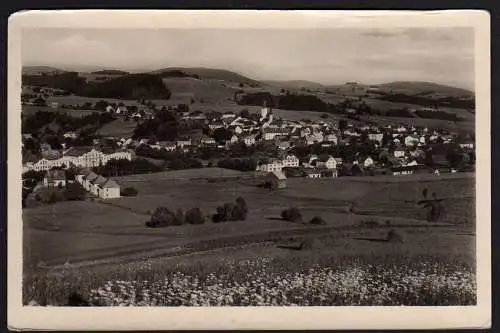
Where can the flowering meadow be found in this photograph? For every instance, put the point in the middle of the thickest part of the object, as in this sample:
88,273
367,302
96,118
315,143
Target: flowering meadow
261,285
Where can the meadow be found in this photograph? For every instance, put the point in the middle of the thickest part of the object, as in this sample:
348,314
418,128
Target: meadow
105,246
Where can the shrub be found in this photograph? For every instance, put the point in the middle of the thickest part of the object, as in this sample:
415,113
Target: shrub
194,216
129,192
178,217
395,236
216,218
317,221
227,210
231,211
238,214
162,217
243,204
292,214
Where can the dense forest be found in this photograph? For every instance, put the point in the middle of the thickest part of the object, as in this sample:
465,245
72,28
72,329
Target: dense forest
69,81
178,73
164,127
450,102
33,123
133,86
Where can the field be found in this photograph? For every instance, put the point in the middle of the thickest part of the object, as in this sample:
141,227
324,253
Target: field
118,128
105,241
29,110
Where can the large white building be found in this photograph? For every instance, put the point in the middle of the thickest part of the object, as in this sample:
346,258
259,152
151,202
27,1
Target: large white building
83,157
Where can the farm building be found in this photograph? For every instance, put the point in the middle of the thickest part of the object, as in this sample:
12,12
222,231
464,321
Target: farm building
277,179
108,190
98,185
313,173
54,178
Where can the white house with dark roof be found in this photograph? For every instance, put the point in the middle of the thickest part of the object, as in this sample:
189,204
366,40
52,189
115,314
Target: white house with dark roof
98,185
54,178
110,190
326,161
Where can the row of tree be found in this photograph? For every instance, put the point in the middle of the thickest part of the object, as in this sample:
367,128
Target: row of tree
163,217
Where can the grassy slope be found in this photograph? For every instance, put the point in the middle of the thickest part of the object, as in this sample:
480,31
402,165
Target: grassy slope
210,73
59,232
413,87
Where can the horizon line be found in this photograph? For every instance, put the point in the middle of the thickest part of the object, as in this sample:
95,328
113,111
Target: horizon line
91,69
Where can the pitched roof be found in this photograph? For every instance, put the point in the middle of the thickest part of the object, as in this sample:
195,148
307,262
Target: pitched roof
85,172
51,155
91,176
99,180
77,151
110,184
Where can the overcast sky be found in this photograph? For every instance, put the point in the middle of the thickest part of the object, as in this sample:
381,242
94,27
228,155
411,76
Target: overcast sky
328,56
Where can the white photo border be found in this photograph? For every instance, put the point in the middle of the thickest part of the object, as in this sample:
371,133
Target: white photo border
67,318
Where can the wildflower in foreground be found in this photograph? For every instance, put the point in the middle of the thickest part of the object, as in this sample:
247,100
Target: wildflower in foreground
260,286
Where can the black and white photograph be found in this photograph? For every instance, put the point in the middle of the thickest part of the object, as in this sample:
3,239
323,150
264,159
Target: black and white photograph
268,167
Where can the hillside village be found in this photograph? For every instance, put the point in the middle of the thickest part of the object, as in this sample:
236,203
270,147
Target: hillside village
176,136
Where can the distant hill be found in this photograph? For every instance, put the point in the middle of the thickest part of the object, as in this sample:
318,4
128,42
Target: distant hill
38,70
294,84
110,72
208,73
423,88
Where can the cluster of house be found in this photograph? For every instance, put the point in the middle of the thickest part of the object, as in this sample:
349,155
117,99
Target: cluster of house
289,133
140,112
403,146
81,157
93,183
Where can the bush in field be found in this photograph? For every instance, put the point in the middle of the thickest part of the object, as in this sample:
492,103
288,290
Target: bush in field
395,236
231,211
238,213
129,192
162,217
178,217
317,221
216,218
243,204
292,214
194,216
75,191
